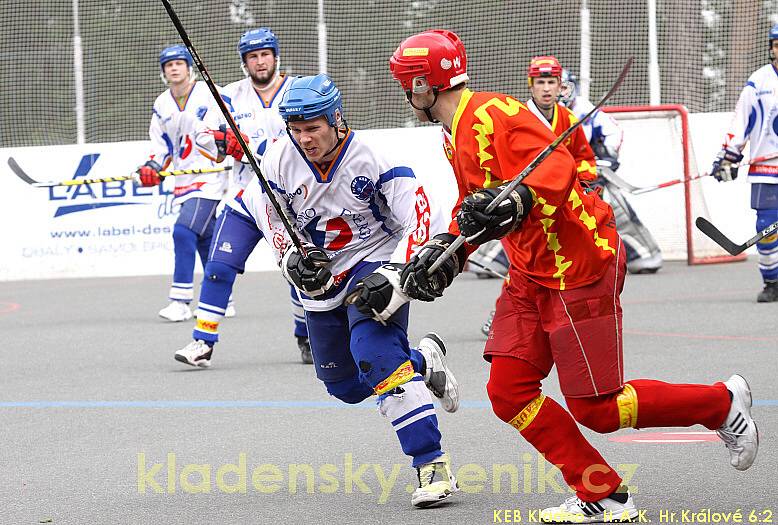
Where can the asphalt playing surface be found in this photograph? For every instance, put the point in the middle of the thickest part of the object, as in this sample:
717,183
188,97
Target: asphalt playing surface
98,423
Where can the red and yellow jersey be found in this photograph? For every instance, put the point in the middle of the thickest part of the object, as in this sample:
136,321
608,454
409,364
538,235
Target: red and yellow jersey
569,237
576,144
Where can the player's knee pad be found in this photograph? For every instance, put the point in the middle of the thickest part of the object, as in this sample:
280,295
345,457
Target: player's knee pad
381,353
607,413
218,272
513,384
351,390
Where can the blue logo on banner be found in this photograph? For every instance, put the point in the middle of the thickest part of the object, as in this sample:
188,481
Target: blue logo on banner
95,196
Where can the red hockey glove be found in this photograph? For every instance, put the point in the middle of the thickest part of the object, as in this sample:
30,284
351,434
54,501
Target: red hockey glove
227,143
149,174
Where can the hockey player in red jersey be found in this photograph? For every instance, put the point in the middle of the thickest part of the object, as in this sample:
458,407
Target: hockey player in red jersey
544,76
561,306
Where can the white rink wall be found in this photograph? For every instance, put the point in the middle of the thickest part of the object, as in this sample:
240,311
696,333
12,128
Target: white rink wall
116,229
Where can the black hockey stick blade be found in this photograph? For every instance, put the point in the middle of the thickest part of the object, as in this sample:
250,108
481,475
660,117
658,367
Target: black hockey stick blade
719,238
20,172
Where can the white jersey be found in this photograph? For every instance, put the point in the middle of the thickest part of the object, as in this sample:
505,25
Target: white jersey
362,208
756,121
600,127
258,120
173,133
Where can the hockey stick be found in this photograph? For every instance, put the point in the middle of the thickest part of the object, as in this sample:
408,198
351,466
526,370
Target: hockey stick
646,189
532,165
234,127
20,172
719,238
490,271
81,182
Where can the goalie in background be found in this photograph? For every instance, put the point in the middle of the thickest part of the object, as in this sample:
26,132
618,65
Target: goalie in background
755,122
176,116
561,306
605,137
554,100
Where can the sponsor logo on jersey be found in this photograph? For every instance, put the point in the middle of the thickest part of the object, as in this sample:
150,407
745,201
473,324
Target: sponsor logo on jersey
362,188
302,190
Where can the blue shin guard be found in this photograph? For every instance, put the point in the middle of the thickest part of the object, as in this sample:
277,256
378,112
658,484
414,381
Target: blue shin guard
184,247
214,296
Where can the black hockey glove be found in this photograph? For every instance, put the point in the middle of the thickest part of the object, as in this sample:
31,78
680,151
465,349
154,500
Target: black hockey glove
379,294
480,227
414,278
722,169
308,273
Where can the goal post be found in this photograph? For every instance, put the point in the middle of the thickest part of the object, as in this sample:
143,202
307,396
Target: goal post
657,147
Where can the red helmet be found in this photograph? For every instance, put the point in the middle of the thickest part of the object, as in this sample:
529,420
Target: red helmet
433,59
547,66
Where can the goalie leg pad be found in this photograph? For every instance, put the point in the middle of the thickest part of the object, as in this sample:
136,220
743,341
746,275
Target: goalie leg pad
639,241
410,410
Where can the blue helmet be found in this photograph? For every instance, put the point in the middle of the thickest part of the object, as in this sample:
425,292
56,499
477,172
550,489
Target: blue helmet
262,38
773,33
311,97
177,52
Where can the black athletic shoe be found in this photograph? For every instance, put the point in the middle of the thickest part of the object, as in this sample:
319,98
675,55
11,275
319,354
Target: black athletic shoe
769,294
305,350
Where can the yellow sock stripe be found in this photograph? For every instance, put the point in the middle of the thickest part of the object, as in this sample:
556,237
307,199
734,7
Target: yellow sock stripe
208,327
524,418
627,400
403,374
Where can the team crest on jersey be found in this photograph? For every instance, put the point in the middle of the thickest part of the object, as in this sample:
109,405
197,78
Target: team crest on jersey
362,188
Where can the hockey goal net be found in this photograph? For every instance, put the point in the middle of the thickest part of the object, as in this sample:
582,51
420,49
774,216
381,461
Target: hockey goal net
657,148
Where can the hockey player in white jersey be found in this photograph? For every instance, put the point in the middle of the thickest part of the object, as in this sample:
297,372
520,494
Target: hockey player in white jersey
176,116
355,212
253,103
756,122
605,137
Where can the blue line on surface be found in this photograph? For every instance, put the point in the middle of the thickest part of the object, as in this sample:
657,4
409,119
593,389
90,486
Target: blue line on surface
239,404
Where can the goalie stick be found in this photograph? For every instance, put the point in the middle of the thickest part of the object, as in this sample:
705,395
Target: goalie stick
532,165
719,238
234,127
80,182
